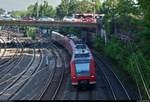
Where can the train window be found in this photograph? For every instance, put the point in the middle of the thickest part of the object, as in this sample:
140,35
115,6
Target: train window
82,69
81,46
82,61
78,42
88,16
82,55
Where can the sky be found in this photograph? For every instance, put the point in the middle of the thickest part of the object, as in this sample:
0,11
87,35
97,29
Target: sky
10,5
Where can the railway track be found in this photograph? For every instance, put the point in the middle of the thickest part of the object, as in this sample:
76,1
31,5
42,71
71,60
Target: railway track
51,90
84,93
28,74
14,59
9,58
6,68
12,75
17,90
116,87
76,93
35,82
2,47
14,87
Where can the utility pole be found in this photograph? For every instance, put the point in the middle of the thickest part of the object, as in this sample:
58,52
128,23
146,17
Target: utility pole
37,10
94,3
42,3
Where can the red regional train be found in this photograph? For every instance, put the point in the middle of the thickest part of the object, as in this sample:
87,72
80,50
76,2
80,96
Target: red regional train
82,64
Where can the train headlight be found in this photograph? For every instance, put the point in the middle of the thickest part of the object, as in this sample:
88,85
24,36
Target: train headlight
92,76
74,77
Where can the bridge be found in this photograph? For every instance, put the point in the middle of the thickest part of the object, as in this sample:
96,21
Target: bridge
48,23
97,26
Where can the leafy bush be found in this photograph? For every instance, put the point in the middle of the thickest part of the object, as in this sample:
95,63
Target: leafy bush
132,60
99,44
31,33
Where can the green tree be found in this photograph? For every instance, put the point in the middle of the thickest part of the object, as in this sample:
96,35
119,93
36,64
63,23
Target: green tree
133,19
127,7
63,8
85,6
34,11
144,4
69,7
41,10
97,5
18,13
73,4
45,7
48,10
2,11
30,10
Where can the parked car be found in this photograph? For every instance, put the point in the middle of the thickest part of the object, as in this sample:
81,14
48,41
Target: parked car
45,18
28,18
9,18
68,18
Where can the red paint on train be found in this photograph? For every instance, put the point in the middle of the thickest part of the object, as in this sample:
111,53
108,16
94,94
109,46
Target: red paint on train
77,64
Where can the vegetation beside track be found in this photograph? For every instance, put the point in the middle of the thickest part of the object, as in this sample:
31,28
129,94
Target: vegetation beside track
133,60
129,19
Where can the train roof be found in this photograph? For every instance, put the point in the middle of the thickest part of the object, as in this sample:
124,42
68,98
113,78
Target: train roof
53,32
80,55
81,46
82,52
76,40
80,49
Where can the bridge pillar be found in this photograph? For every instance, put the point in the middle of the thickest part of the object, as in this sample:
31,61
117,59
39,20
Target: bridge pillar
98,28
100,31
50,31
18,29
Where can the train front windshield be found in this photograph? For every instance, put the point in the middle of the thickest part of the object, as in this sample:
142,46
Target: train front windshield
82,67
83,16
82,55
81,46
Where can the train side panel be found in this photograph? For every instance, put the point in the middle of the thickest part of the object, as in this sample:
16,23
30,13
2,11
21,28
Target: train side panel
69,45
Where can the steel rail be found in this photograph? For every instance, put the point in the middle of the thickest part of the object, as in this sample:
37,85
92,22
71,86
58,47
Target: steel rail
13,58
98,57
7,68
39,96
20,74
28,78
4,48
107,80
8,60
50,84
